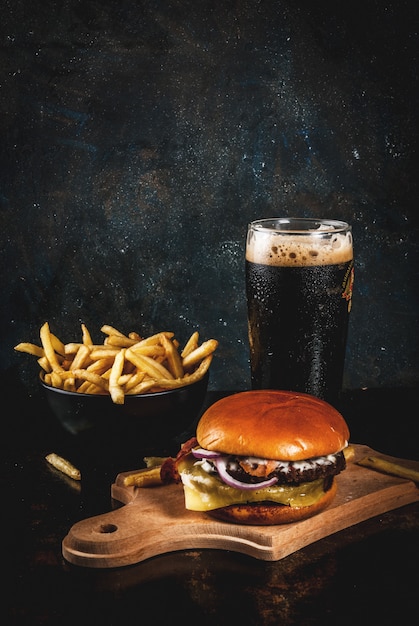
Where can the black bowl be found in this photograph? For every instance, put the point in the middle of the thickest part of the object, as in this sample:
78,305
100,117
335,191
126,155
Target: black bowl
164,414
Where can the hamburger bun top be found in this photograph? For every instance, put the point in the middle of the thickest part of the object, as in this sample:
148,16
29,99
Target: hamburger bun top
280,425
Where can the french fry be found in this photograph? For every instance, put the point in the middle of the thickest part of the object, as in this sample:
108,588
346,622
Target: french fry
57,344
135,379
100,365
190,345
84,387
154,338
82,357
44,364
123,379
173,357
149,477
56,380
390,467
115,389
90,388
123,342
63,465
97,380
106,374
47,378
103,352
110,330
69,384
188,379
86,337
153,349
50,353
148,365
154,461
200,353
201,370
142,387
30,348
72,348
349,453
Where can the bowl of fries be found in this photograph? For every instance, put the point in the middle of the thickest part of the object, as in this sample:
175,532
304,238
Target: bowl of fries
150,385
162,414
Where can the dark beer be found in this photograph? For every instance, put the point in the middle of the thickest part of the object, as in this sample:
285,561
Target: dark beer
299,299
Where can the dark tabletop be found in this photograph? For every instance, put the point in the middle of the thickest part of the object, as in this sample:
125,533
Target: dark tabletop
366,574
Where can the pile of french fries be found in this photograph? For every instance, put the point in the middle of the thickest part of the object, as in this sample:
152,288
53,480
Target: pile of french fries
123,364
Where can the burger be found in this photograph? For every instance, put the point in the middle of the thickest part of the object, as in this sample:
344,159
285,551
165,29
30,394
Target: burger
263,457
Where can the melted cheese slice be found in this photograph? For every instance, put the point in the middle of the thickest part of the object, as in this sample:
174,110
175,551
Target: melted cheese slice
205,492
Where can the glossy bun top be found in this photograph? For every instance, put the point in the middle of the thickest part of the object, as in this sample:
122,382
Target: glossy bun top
282,425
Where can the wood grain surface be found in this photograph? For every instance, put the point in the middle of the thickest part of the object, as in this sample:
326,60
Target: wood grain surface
154,521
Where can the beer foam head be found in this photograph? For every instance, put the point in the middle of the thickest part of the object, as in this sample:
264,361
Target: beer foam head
289,249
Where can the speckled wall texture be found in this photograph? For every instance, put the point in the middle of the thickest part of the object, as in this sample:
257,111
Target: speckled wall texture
138,139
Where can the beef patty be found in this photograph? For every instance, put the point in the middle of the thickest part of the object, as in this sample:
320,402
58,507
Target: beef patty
287,472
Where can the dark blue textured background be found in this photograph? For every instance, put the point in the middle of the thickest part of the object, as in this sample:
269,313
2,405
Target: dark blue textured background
138,138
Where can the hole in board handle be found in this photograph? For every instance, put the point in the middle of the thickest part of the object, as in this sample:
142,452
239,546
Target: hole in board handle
107,528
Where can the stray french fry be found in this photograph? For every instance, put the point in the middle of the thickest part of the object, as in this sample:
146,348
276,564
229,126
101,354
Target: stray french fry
154,461
149,477
349,453
63,465
390,467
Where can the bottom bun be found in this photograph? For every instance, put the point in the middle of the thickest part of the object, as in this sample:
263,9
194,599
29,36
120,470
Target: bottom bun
269,514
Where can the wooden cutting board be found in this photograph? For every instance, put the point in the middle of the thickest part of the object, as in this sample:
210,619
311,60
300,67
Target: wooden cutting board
154,521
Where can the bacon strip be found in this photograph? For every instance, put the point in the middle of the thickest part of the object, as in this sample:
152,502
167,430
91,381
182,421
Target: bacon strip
168,471
261,470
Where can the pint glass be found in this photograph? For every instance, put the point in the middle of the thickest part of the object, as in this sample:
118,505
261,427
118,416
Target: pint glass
299,279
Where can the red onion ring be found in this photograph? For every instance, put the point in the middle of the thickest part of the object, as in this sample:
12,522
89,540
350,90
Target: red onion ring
201,453
221,465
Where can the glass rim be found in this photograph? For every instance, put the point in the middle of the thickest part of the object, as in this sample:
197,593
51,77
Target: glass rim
300,225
